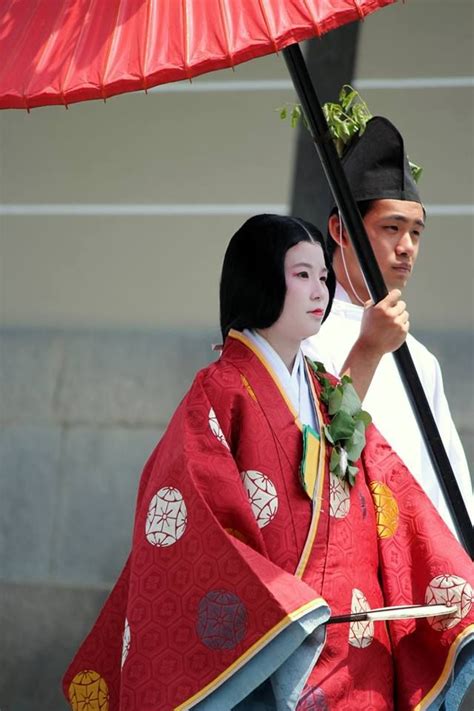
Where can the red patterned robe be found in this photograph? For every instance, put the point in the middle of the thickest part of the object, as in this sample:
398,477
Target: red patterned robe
235,569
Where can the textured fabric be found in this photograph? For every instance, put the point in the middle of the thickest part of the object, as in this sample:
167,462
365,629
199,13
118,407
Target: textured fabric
229,553
387,401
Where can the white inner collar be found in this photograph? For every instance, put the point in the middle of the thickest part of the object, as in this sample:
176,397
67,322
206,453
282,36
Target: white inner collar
295,384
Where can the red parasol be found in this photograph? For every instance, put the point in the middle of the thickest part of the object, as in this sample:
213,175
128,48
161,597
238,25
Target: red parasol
64,51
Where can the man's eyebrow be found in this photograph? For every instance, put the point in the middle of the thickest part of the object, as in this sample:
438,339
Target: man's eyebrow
402,218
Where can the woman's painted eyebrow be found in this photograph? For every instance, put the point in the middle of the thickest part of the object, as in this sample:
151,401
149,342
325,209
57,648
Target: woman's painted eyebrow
302,264
307,266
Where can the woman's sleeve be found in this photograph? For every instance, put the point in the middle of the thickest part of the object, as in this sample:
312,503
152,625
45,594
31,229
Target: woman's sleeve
200,617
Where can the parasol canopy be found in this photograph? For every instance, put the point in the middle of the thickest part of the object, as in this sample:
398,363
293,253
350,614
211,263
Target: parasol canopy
64,51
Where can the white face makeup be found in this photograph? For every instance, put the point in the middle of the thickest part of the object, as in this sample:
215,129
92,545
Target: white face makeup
306,298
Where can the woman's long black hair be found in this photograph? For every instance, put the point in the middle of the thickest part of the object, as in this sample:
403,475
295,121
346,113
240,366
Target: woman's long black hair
253,286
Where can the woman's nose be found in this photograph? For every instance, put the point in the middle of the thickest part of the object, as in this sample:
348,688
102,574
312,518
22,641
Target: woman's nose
318,291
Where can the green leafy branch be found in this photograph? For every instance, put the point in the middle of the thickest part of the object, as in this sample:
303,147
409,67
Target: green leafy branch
294,112
346,431
345,120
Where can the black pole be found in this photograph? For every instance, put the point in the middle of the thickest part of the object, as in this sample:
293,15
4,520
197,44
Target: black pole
355,227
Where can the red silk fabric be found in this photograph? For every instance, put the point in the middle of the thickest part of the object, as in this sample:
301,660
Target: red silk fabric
63,51
204,591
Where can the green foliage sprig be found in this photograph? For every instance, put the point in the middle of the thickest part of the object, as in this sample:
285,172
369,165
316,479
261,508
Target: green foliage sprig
346,431
348,118
345,119
294,112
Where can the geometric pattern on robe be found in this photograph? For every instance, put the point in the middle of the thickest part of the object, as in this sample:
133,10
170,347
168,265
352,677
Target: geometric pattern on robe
420,559
229,554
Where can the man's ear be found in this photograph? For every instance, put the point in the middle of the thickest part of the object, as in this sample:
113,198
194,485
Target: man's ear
334,229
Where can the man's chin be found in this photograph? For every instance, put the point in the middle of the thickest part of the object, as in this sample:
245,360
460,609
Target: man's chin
398,281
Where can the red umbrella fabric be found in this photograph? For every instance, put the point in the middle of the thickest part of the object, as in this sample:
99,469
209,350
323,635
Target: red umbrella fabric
64,51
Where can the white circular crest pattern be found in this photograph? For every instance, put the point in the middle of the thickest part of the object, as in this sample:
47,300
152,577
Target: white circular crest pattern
125,641
361,634
262,496
339,496
216,428
167,517
449,590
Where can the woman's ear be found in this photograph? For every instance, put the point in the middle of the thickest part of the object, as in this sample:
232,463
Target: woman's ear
334,228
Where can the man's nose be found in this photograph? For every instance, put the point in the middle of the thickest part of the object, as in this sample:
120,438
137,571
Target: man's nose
405,244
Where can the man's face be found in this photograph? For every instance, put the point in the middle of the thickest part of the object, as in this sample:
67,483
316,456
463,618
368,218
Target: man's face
394,229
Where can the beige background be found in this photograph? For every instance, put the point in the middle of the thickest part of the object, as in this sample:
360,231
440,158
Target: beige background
221,148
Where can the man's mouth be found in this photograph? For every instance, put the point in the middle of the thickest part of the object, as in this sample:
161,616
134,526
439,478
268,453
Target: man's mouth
404,268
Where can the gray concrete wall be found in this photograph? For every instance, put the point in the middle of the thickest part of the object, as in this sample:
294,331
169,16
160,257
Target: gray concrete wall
81,411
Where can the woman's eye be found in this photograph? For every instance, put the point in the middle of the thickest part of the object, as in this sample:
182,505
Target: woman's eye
303,275
323,278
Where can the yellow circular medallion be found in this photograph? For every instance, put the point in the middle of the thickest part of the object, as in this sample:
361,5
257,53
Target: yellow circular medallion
386,509
88,692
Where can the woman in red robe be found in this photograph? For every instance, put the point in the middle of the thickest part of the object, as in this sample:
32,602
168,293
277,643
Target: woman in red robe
261,515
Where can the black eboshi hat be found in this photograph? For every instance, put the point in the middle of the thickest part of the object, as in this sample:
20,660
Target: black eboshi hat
376,165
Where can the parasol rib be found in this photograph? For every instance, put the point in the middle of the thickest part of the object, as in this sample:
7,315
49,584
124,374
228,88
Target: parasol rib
143,57
359,10
223,8
314,19
186,24
109,52
271,35
67,73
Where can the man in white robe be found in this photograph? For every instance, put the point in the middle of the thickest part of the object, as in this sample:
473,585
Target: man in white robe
361,338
